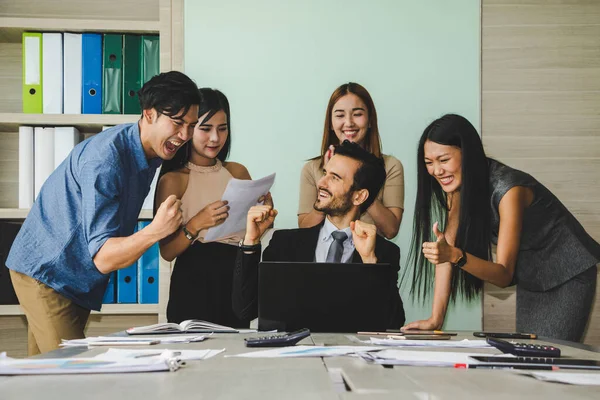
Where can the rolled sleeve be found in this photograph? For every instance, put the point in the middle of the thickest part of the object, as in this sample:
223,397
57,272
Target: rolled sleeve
100,190
393,189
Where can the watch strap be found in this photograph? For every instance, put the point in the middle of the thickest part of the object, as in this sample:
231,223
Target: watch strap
461,261
188,234
249,247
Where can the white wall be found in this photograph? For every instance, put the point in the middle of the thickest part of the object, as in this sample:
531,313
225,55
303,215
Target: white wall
278,62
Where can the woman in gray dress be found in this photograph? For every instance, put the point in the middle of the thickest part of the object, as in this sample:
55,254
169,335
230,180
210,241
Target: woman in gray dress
466,202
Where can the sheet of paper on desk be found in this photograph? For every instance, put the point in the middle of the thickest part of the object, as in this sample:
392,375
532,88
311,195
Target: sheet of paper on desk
241,195
182,354
465,343
59,366
420,358
132,341
576,378
307,351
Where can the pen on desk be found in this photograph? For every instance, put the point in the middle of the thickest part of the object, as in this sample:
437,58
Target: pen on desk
418,332
506,335
419,337
373,333
496,366
175,353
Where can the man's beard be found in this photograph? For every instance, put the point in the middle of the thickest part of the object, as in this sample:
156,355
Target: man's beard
337,206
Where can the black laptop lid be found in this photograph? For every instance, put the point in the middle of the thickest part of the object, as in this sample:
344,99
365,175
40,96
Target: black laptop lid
324,297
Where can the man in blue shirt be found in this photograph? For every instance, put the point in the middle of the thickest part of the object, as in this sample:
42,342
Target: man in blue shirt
81,225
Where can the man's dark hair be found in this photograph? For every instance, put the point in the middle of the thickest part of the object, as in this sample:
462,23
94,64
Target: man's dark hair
170,93
370,174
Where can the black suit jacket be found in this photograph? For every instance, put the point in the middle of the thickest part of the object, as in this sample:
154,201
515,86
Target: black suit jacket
299,245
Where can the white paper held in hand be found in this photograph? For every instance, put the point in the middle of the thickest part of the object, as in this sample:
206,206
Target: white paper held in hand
241,195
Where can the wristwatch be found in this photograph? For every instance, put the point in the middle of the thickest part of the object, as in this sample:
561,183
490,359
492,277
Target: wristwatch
188,234
461,261
249,247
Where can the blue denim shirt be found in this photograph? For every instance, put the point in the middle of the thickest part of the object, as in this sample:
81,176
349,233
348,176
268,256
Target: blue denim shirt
95,194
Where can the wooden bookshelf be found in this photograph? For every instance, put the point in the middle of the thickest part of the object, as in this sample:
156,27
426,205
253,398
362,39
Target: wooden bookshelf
13,27
118,16
10,122
108,309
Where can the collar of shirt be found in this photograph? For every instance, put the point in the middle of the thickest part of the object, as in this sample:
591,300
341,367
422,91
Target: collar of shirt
329,228
137,150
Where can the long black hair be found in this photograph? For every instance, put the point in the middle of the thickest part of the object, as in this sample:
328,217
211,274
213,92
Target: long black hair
474,227
212,101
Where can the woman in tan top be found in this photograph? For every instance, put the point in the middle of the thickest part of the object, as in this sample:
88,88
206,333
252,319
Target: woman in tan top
351,115
198,174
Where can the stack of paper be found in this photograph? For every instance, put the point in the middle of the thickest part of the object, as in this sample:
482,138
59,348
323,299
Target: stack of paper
572,378
308,351
129,341
184,355
465,343
420,358
53,366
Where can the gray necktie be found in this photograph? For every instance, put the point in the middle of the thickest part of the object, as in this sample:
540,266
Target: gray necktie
334,254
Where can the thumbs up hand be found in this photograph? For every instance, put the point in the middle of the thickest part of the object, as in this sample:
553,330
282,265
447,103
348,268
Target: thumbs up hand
440,251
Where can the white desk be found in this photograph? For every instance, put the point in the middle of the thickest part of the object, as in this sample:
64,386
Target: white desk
299,378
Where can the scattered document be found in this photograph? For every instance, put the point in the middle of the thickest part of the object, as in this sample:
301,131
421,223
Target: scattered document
465,343
420,358
129,341
54,366
241,195
564,377
183,354
307,351
187,326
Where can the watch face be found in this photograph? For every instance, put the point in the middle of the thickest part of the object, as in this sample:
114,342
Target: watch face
461,261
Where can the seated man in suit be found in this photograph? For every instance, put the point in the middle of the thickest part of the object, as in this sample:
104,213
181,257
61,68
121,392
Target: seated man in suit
351,181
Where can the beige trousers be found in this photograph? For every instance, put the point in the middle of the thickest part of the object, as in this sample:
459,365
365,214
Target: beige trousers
50,316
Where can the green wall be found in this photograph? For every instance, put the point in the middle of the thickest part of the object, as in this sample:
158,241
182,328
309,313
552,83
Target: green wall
278,62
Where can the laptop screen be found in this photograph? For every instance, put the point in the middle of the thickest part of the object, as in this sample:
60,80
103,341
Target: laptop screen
325,297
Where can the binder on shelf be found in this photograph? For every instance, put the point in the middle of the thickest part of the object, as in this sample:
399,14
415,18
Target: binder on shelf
43,155
148,265
132,73
32,73
127,284
72,65
26,182
112,82
150,57
109,294
91,73
8,232
65,139
52,70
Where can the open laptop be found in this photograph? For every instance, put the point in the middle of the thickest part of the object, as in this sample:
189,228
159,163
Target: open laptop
324,297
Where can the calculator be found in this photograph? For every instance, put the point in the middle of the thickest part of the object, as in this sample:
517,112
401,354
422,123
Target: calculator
524,349
287,339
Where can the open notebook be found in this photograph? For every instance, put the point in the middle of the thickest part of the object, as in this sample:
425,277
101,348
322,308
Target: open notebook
188,326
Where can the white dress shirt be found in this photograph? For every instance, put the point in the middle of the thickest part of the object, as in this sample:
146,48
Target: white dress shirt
325,240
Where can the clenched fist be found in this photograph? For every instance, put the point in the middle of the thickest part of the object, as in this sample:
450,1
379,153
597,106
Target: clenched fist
258,221
168,217
363,236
